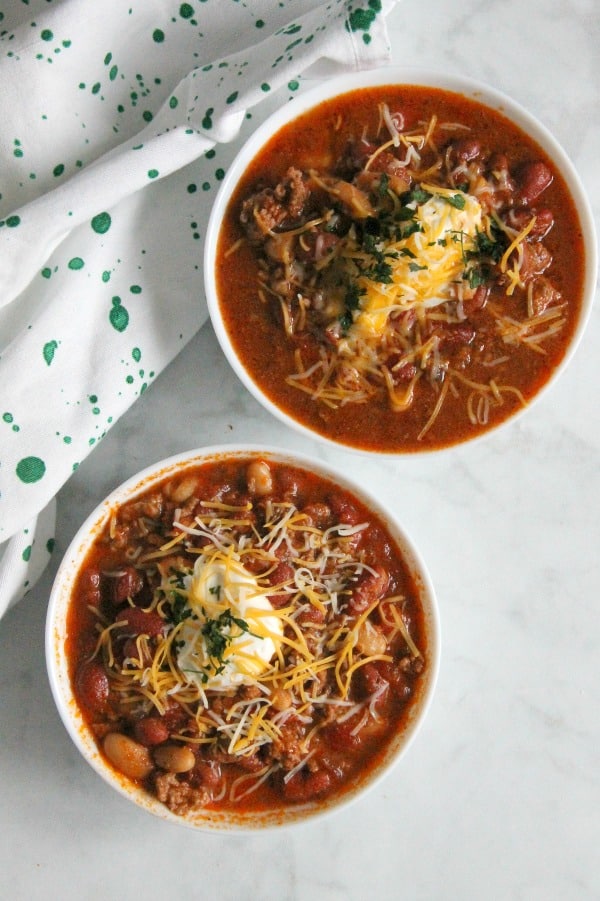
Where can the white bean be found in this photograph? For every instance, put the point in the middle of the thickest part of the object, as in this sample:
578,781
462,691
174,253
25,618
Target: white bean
183,489
127,755
370,639
174,758
259,478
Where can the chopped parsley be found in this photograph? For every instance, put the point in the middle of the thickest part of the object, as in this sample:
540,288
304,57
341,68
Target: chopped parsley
217,636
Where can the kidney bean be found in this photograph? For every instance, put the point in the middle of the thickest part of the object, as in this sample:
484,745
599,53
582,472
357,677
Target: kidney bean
140,622
151,730
92,686
283,572
466,149
341,738
174,716
403,372
303,786
371,679
345,512
520,218
319,514
311,616
127,755
534,178
370,587
536,259
90,583
456,335
395,676
126,585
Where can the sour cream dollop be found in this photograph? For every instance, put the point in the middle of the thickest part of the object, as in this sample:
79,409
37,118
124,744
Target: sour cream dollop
231,635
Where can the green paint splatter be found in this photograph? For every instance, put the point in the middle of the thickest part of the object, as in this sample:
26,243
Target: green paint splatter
106,276
76,263
293,85
153,173
30,469
13,221
46,35
136,354
191,189
259,23
96,88
49,350
118,316
186,11
101,223
26,555
232,97
46,272
158,36
147,116
58,170
173,102
207,120
50,545
135,289
265,87
113,72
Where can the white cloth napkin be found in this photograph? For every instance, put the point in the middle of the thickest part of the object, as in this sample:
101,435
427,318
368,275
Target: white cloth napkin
117,122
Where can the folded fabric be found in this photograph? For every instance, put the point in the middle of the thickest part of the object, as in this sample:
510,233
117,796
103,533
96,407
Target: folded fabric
117,123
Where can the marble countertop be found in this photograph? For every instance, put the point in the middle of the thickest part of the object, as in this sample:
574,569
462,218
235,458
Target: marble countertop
499,796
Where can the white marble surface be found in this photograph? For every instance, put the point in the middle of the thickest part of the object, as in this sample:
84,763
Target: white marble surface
499,797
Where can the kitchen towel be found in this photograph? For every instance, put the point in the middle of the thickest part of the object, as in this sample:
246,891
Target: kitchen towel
117,122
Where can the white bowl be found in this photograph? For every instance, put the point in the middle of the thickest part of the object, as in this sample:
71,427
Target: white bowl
348,83
57,635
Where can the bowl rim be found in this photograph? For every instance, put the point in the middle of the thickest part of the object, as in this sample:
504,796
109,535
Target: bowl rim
56,634
473,89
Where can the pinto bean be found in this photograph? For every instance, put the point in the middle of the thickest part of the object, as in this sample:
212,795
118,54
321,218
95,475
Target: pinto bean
534,178
174,758
128,756
92,686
